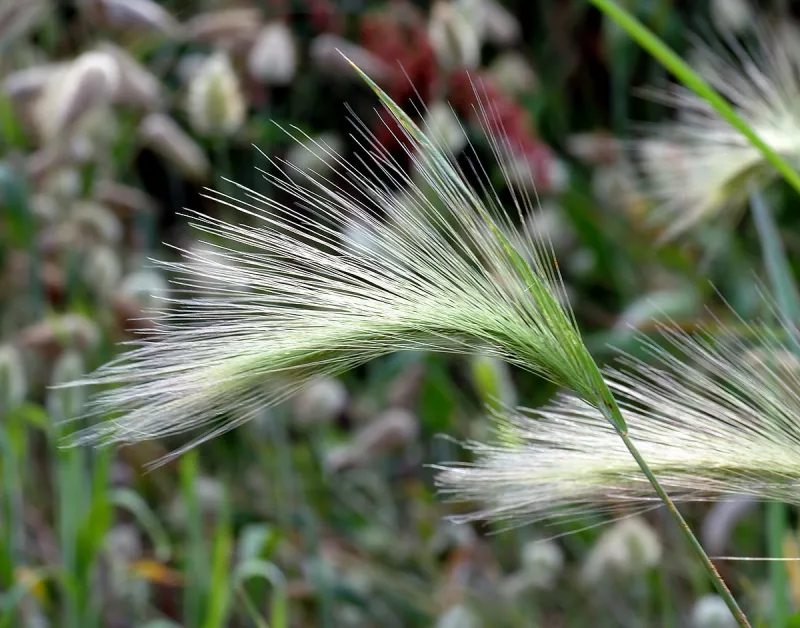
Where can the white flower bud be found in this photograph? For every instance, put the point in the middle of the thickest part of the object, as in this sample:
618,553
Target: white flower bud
90,81
102,270
321,402
445,129
459,616
710,611
314,155
453,37
273,58
134,15
628,548
224,27
67,403
513,73
215,103
13,379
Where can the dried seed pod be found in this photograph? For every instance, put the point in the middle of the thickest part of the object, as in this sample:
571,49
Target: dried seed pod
138,87
95,223
90,81
67,403
513,73
445,128
215,103
628,548
595,147
13,378
102,270
17,18
144,16
163,135
223,27
125,200
52,335
454,38
711,611
273,57
326,54
323,401
391,431
25,85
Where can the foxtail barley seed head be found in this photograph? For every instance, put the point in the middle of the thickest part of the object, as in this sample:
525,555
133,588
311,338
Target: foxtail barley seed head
711,422
287,298
700,166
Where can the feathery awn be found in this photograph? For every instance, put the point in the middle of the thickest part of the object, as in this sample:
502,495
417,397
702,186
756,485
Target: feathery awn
285,296
699,166
715,416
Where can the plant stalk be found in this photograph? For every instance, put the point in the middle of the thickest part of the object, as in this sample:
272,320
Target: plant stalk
711,570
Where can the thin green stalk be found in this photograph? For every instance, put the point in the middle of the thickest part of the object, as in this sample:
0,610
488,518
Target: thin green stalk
682,71
716,579
711,570
787,300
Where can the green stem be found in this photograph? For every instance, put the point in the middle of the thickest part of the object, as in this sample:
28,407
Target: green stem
682,71
711,570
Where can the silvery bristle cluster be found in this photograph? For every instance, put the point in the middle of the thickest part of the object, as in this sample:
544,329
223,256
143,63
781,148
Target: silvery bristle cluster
699,166
363,261
715,416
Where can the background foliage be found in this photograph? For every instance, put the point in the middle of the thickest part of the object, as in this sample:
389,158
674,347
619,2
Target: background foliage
322,512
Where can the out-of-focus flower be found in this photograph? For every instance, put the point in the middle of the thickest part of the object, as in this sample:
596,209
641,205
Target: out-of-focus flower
314,155
16,18
164,136
711,611
614,186
13,378
138,87
542,562
492,21
513,73
323,401
102,270
143,16
391,431
454,36
67,403
209,495
224,28
90,81
445,128
93,222
149,288
700,166
215,103
326,52
25,85
628,548
124,199
273,58
398,36
459,616
594,147
58,332
735,16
